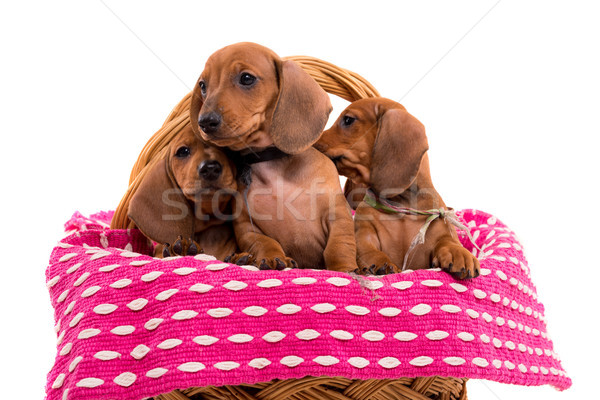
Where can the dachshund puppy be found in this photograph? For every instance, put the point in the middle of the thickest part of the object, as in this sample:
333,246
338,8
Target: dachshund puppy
271,112
376,143
188,196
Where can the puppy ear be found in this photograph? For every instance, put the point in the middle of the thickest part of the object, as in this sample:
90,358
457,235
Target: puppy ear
159,209
195,105
399,148
301,111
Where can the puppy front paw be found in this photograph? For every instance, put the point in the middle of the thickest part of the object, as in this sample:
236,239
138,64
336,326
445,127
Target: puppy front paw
376,262
263,263
278,263
374,269
181,247
240,259
456,260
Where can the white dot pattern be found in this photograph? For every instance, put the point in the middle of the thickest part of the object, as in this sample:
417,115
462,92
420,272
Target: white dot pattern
134,319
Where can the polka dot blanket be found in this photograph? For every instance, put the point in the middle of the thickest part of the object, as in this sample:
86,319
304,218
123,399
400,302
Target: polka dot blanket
131,326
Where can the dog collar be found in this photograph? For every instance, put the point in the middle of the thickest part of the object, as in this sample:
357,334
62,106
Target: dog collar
246,160
268,154
446,214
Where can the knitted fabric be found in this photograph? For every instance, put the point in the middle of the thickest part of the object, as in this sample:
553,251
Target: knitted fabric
130,326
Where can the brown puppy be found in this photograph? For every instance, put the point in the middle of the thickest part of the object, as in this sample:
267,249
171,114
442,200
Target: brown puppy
377,143
271,112
189,194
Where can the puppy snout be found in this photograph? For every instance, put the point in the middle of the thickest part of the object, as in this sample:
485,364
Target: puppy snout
210,170
209,122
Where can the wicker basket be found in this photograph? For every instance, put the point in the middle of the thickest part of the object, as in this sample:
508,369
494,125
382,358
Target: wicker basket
349,86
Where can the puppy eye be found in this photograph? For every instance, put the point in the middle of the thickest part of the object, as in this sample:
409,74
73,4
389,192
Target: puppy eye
182,152
246,79
202,87
347,120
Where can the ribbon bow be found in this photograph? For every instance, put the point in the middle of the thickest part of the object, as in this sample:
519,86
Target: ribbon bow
446,214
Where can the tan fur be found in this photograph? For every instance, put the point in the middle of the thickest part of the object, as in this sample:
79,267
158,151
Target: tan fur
173,200
384,148
297,209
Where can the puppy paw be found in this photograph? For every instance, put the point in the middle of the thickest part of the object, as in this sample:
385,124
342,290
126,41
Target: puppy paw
343,268
456,260
385,269
376,263
181,247
373,269
240,259
277,263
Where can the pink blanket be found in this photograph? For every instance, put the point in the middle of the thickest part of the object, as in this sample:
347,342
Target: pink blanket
130,326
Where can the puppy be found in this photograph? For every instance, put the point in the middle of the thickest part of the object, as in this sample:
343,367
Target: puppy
271,112
187,199
376,143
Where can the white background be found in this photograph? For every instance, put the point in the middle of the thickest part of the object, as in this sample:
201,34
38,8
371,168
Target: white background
510,102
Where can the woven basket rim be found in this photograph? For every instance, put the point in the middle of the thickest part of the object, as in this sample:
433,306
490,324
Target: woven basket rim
338,388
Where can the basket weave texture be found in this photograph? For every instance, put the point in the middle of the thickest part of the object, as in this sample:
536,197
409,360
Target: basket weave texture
332,388
349,86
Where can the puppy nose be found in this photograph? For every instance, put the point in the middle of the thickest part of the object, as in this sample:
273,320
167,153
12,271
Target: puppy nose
210,170
209,122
